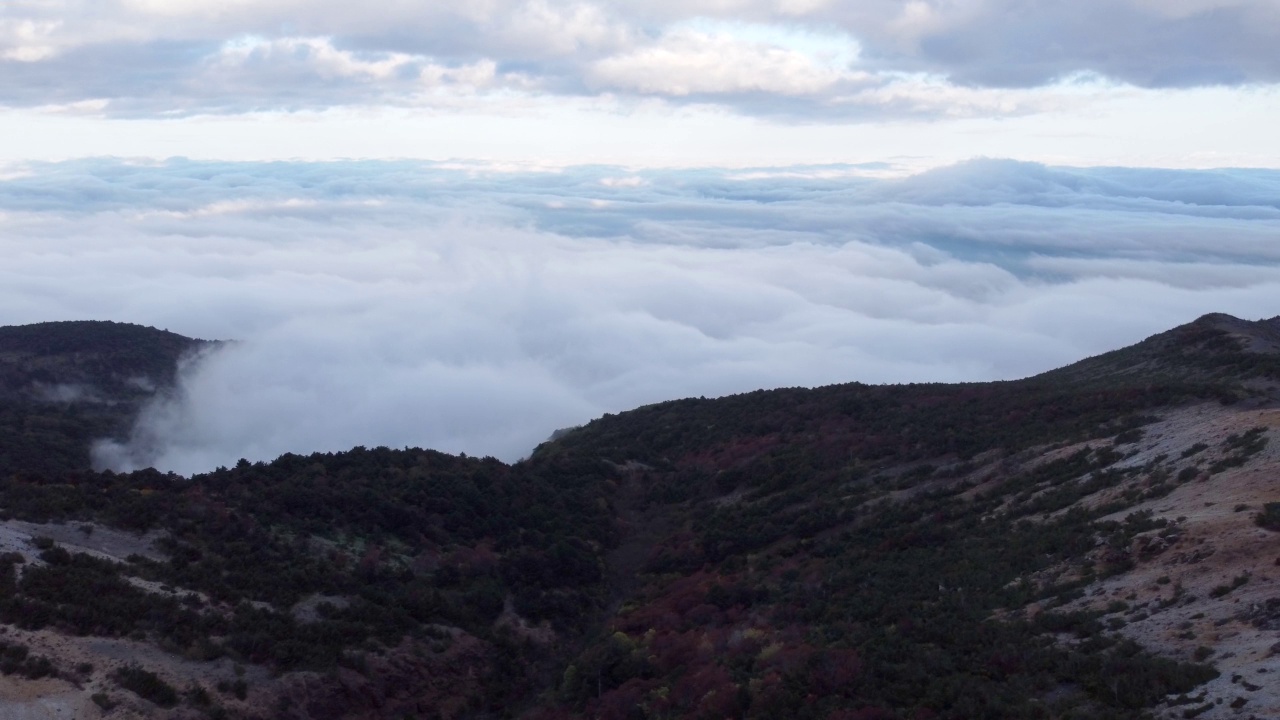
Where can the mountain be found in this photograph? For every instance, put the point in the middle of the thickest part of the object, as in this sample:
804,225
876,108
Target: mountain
64,384
1214,347
1099,541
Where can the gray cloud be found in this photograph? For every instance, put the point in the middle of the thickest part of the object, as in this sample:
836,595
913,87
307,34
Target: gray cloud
467,309
790,58
1150,44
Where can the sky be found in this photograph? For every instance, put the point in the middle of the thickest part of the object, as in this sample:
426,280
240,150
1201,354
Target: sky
744,83
465,225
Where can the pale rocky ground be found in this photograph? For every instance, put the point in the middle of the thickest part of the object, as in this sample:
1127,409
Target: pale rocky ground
1219,542
1216,542
68,698
15,535
44,699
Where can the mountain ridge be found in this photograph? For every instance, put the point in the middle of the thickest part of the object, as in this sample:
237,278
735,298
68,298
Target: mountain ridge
1080,544
65,384
1215,341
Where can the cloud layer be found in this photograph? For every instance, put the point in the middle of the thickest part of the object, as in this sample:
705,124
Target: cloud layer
469,308
794,58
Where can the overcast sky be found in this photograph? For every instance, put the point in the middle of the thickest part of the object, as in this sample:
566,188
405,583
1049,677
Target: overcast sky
464,225
1166,83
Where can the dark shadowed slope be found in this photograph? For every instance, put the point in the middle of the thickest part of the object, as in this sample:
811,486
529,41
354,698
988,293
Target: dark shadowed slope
113,359
64,384
1214,347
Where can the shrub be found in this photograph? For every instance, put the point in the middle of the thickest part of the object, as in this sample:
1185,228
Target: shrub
1269,518
1132,435
147,685
1194,449
1223,590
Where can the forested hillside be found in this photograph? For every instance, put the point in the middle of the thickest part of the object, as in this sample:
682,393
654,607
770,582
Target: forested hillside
1090,543
65,384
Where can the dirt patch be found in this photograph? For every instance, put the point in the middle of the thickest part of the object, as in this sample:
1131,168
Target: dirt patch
43,699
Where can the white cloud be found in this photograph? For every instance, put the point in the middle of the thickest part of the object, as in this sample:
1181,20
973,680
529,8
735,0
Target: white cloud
629,181
301,71
315,55
542,28
690,62
27,40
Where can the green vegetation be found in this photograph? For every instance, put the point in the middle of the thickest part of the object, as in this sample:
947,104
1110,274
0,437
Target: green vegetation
147,685
1243,447
1129,436
65,384
1199,351
16,658
1194,450
1223,590
409,540
798,586
815,597
1269,518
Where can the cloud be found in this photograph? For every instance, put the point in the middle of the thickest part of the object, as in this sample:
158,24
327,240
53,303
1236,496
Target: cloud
792,59
302,72
1016,43
475,309
1141,42
27,40
689,62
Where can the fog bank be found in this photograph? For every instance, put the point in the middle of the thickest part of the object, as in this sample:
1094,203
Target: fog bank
474,310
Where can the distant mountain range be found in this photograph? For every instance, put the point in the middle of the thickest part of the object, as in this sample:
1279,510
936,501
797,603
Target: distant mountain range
1099,541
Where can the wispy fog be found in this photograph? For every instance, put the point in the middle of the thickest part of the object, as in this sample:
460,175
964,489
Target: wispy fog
471,309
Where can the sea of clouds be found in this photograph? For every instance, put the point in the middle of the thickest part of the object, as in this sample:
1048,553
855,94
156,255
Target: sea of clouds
476,309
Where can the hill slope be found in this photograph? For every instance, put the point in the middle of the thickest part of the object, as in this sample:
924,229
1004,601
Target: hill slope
64,384
1215,346
1086,543
898,521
